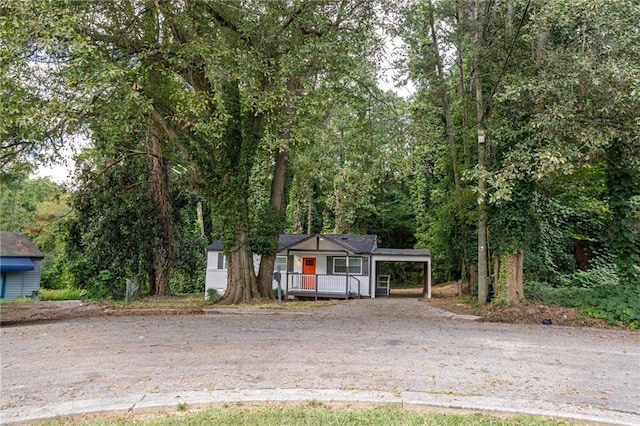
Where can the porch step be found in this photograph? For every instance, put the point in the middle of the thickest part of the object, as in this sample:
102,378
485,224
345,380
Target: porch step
310,294
381,292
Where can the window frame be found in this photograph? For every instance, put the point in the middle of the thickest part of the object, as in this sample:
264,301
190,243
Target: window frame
279,261
348,266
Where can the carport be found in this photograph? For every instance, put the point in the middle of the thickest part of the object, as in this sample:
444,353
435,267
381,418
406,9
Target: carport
401,255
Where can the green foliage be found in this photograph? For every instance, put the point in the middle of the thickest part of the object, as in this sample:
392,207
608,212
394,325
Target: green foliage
213,296
268,222
188,282
104,286
20,198
61,294
599,292
56,273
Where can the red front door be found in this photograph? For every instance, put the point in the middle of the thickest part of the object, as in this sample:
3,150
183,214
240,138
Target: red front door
309,273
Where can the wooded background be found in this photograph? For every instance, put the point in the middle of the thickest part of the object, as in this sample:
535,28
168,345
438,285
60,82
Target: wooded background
241,120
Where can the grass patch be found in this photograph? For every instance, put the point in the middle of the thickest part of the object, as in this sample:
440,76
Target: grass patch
61,294
286,304
196,300
312,413
18,300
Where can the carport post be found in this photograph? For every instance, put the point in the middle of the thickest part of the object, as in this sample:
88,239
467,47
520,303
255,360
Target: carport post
373,284
427,279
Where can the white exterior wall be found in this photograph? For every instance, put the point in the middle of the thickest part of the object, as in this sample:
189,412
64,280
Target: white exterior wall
217,278
214,278
321,266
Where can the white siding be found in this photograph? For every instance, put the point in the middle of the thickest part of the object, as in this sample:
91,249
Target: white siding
215,278
321,267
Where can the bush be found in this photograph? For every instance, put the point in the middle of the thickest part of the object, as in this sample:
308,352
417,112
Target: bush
55,273
187,283
213,296
61,294
104,286
598,293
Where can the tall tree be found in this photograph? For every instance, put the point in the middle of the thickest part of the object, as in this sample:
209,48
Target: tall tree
210,76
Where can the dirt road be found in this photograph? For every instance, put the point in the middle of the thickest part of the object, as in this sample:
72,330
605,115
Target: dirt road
382,350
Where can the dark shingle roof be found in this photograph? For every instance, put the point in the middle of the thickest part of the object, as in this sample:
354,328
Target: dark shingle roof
215,246
353,243
15,244
402,252
361,244
285,241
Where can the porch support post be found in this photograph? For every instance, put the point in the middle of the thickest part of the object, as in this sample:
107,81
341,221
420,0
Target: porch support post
286,274
346,284
373,275
427,279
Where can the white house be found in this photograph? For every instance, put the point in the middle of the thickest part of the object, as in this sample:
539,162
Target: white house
325,266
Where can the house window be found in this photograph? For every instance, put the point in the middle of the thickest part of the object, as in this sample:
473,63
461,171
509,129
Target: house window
340,265
280,264
222,261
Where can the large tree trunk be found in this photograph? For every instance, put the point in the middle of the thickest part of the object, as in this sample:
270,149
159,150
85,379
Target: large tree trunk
164,248
265,274
443,94
482,204
231,194
509,283
200,217
241,277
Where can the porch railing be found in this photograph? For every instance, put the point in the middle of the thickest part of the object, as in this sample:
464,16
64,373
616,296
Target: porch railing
382,285
318,285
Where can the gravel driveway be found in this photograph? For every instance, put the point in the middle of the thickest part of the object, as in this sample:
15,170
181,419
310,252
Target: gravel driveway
380,350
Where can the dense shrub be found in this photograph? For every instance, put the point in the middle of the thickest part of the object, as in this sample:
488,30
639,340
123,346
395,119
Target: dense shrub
598,292
61,294
213,296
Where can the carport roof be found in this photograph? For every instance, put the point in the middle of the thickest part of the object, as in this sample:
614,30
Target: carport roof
402,252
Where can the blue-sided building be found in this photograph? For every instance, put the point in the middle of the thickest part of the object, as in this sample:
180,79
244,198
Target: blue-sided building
20,266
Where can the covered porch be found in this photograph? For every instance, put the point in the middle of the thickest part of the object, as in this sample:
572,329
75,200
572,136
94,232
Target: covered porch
325,286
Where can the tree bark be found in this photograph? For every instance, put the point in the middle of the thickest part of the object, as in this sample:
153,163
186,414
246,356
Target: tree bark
164,249
267,261
200,217
509,284
241,277
482,203
444,98
310,213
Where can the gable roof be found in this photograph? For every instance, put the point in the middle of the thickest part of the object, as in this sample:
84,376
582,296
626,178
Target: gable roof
285,240
361,244
15,244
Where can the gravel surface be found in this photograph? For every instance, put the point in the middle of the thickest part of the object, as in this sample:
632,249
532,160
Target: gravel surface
381,350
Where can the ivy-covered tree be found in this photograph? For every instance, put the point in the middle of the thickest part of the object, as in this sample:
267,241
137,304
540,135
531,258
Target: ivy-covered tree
213,82
553,87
